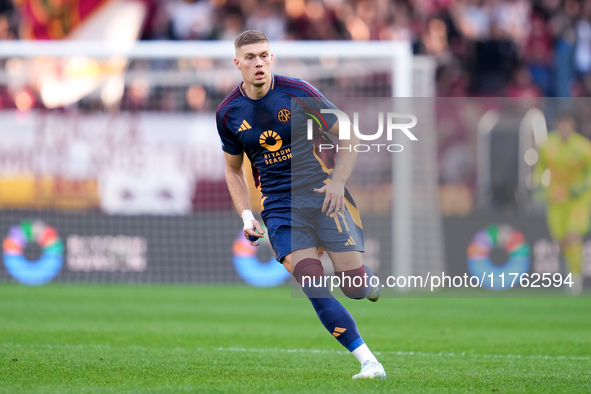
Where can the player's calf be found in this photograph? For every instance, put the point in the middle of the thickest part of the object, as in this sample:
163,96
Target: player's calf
334,316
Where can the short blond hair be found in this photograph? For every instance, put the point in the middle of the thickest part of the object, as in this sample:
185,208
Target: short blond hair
250,37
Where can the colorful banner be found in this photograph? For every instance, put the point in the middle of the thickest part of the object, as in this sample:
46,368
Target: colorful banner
124,163
54,19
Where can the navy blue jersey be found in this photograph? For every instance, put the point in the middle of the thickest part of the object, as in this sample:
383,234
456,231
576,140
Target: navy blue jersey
263,130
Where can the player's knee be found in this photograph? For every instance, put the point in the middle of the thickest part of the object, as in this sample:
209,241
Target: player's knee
307,269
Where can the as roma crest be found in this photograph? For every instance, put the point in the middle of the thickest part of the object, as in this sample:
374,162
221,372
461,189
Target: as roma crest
284,115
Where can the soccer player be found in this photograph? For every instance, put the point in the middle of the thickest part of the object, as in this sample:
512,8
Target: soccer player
311,211
567,157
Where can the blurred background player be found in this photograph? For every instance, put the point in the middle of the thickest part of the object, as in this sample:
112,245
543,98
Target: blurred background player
563,174
256,119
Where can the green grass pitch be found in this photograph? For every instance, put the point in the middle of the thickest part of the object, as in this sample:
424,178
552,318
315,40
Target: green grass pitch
239,339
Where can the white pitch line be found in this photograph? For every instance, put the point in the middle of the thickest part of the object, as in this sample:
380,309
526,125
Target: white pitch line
411,354
306,351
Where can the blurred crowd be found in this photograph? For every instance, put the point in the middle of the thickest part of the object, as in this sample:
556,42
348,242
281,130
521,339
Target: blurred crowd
483,47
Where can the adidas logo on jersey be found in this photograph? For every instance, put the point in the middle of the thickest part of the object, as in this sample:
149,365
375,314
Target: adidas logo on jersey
350,241
244,126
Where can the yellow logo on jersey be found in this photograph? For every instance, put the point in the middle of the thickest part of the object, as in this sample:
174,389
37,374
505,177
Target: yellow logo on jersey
244,126
270,140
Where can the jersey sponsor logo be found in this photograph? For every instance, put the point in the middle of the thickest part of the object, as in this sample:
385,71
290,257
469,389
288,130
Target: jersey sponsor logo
277,157
284,115
270,140
244,126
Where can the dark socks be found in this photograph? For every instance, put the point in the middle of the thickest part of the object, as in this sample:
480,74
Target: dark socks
335,318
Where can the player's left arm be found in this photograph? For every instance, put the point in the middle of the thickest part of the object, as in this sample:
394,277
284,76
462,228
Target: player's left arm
334,200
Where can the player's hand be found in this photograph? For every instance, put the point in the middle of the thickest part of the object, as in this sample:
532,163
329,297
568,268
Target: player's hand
334,199
253,236
250,226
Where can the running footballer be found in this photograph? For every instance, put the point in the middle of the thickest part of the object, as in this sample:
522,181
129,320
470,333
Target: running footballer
311,210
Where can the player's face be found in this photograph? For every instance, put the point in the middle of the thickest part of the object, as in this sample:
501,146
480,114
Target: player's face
254,62
565,127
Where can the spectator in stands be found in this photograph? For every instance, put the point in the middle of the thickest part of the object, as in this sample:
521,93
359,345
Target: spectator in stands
191,20
267,18
7,20
522,85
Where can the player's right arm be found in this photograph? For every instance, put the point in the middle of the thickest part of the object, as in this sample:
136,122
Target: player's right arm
238,188
235,179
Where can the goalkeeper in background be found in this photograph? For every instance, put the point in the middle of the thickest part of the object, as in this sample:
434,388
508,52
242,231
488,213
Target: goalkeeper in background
563,175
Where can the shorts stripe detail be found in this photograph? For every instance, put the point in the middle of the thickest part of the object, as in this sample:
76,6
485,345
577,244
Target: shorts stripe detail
344,221
354,212
337,222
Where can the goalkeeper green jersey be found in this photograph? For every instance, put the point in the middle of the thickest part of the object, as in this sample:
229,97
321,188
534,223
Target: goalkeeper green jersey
569,164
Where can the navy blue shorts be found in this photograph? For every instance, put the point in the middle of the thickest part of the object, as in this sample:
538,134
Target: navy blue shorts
295,221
